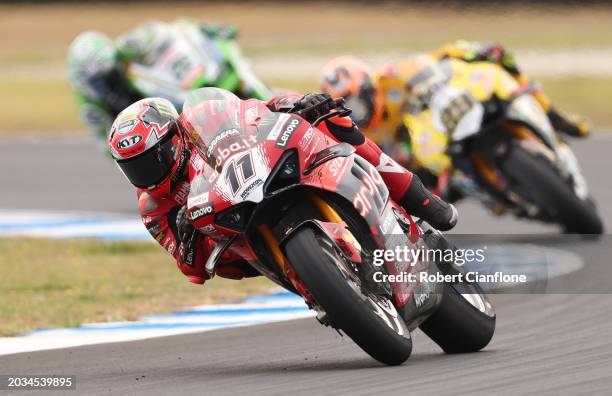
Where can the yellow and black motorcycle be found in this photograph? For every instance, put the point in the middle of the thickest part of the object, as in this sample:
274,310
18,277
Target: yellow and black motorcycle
473,123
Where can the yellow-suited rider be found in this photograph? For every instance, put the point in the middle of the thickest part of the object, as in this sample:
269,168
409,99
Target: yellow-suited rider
383,105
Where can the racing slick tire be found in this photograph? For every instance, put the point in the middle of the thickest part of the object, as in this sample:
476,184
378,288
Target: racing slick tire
458,326
380,332
538,177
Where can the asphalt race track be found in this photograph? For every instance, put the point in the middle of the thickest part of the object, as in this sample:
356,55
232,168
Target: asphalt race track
544,344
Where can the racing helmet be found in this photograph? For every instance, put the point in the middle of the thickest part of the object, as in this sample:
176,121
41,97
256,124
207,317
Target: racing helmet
350,78
147,143
413,68
420,72
95,70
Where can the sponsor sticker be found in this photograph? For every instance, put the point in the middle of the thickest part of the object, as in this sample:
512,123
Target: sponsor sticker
208,229
188,257
220,137
128,142
247,191
149,219
201,212
241,144
307,138
251,113
387,222
129,113
197,162
335,166
161,238
171,247
388,165
313,148
126,127
178,174
182,193
420,299
154,229
286,134
275,131
197,200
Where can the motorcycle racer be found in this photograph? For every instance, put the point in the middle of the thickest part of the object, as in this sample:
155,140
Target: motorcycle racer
151,145
473,51
378,99
155,59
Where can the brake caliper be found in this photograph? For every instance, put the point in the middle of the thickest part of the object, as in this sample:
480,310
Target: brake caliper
345,240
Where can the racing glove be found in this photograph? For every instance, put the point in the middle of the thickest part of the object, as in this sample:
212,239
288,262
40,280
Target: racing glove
188,239
313,105
184,228
571,124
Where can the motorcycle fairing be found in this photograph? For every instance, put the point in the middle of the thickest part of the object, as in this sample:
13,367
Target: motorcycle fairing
251,150
183,54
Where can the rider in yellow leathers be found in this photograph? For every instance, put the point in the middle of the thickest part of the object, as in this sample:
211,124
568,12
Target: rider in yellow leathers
383,104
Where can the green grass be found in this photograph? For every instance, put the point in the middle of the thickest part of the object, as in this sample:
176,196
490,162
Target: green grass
36,99
47,107
46,30
48,283
586,96
38,107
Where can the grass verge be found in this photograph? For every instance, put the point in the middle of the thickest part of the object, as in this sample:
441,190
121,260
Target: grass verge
589,97
38,107
45,31
36,99
47,108
50,283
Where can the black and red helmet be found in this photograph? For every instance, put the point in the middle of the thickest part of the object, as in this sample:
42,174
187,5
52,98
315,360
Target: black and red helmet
147,144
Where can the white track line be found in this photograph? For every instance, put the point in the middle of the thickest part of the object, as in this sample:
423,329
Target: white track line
255,310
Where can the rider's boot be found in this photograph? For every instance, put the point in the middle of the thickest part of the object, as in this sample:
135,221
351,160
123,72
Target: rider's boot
570,124
407,190
422,203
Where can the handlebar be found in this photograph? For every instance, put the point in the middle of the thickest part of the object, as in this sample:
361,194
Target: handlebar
336,105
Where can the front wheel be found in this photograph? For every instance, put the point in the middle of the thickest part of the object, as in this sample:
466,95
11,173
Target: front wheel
370,320
536,178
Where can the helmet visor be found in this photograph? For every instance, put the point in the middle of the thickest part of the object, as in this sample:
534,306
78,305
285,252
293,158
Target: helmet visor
153,166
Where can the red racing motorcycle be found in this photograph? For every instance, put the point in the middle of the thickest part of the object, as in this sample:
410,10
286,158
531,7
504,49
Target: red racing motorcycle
309,214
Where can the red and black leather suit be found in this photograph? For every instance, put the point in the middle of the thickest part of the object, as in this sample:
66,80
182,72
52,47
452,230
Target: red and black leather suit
159,209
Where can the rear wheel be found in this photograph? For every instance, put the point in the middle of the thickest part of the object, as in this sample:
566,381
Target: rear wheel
537,178
368,319
464,321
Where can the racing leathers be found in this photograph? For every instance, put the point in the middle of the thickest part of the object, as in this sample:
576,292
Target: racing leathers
157,59
163,211
473,51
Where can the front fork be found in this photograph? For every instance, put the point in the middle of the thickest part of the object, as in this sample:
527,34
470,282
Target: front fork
425,298
333,226
568,160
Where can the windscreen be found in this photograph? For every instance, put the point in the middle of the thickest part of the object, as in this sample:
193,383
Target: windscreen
221,123
526,109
